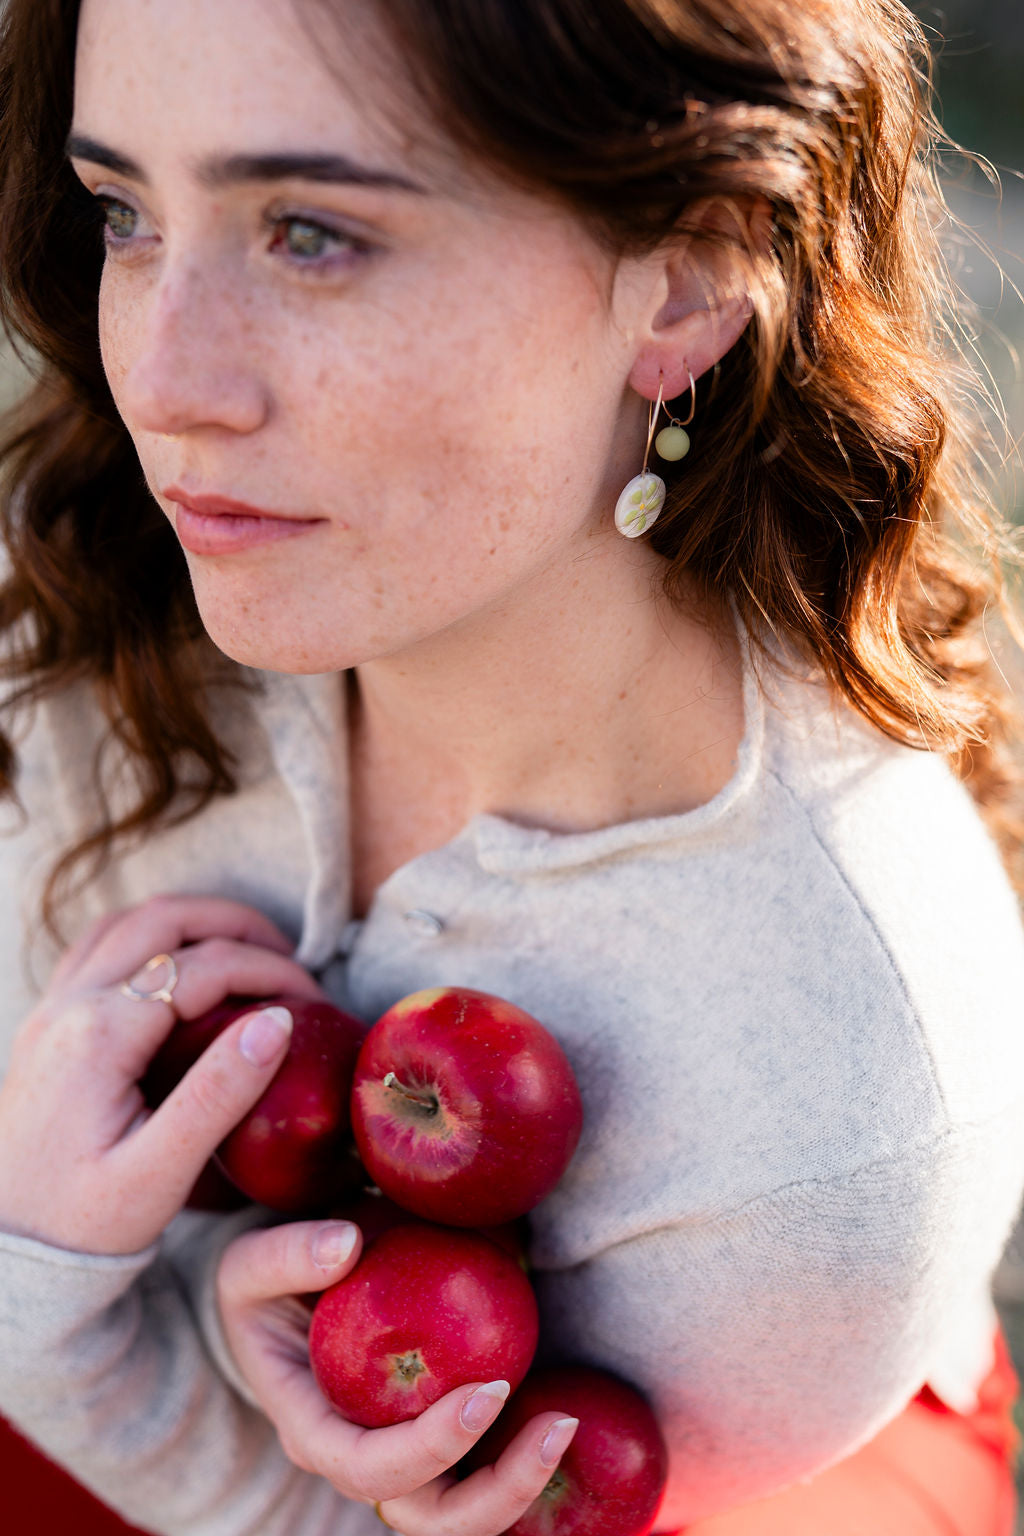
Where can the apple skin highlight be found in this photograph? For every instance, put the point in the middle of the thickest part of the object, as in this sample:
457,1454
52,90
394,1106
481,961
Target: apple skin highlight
464,1108
424,1311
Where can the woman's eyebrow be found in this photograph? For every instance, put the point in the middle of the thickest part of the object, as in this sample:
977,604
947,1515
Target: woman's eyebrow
221,171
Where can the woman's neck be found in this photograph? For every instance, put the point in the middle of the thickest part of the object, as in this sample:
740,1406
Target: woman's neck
586,702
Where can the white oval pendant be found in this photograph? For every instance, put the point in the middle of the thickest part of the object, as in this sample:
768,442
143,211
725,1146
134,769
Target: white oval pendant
639,504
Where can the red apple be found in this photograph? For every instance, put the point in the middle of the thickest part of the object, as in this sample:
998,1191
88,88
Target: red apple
465,1109
611,1479
293,1150
425,1310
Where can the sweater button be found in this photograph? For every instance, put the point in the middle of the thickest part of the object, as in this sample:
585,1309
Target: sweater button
425,924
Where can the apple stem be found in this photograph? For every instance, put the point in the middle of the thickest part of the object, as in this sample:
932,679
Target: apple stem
424,1098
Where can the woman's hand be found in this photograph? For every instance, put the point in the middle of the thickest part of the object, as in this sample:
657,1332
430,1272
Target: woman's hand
405,1470
83,1164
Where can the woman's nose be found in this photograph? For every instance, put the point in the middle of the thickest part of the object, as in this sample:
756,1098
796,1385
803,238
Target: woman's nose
190,358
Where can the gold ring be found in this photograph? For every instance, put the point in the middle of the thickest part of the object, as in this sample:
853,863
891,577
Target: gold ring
380,1517
160,994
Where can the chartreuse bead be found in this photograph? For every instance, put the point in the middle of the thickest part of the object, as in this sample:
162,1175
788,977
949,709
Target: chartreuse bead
672,443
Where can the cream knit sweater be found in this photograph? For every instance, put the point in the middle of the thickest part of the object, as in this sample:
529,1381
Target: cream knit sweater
796,1018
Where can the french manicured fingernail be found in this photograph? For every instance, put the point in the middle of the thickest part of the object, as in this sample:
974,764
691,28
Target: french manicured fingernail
556,1441
333,1243
262,1038
483,1406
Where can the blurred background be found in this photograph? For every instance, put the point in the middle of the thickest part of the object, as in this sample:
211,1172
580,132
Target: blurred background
979,50
979,53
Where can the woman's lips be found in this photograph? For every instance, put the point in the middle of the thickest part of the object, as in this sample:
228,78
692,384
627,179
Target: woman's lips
226,533
219,525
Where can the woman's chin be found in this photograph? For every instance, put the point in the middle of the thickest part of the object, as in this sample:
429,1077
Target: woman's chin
268,648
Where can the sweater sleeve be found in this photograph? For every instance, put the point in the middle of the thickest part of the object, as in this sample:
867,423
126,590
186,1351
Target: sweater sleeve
116,1367
102,1365
775,1339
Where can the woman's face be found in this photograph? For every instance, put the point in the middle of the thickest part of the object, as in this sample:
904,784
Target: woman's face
421,373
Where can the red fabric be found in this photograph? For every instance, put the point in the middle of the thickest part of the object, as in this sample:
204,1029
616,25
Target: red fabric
992,1420
39,1496
931,1472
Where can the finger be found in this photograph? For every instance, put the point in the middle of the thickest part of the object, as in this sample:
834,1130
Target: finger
373,1465
287,1260
263,1266
207,973
260,1274
166,923
379,1464
493,1498
168,1151
82,946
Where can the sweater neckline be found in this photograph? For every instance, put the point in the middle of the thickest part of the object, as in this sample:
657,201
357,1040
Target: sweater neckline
504,846
500,845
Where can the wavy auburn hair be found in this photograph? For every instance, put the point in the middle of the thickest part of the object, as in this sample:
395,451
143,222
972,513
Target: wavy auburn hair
833,478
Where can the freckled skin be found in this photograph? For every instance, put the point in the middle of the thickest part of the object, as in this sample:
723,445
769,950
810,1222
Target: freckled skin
455,400
388,400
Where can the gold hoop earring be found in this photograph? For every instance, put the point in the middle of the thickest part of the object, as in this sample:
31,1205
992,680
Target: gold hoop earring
642,499
673,443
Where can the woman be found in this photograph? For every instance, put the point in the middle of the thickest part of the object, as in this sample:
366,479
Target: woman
394,299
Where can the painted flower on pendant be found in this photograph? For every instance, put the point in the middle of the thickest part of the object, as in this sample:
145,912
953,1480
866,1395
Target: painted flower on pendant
639,504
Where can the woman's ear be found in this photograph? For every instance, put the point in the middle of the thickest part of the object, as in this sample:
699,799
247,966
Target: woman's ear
699,303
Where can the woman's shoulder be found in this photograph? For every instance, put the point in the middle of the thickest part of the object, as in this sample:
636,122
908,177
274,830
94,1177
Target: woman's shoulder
907,846
73,771
828,967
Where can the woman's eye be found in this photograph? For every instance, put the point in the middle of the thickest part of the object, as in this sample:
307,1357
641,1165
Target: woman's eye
301,240
310,243
304,238
119,221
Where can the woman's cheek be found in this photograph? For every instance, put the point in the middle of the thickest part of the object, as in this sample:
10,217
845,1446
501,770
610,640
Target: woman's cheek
115,327
123,317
